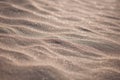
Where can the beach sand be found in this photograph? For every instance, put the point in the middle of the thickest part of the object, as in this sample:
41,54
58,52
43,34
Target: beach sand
59,39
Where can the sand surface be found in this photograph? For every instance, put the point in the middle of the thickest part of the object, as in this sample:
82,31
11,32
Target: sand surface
59,39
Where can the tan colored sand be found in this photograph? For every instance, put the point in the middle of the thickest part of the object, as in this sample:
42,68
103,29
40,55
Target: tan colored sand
59,40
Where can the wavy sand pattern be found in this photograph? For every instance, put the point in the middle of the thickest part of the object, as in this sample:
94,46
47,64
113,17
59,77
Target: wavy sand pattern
59,39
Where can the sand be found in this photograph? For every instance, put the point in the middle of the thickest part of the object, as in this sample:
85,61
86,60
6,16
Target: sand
59,39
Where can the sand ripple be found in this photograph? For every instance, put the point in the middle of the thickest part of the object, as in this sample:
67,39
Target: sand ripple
59,40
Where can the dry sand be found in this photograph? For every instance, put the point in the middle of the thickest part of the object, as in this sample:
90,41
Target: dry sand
59,39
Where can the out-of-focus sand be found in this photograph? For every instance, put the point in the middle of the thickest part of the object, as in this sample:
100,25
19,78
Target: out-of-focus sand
59,40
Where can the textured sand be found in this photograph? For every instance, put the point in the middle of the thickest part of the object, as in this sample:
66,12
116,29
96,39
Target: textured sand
59,39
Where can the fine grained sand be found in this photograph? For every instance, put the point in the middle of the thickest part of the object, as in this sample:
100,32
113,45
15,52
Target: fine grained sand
59,39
